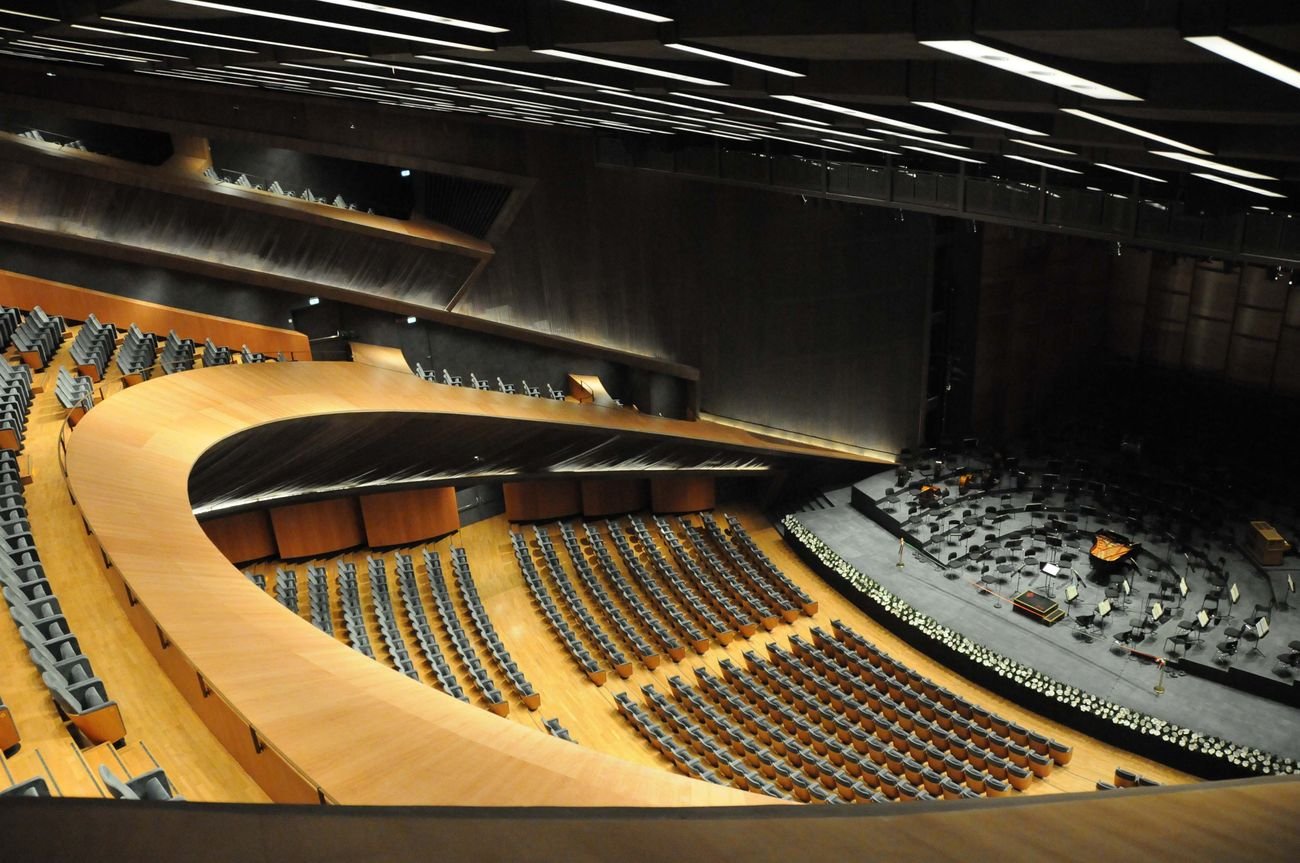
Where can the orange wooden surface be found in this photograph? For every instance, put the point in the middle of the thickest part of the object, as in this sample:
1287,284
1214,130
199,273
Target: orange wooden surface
243,536
537,501
681,493
379,356
409,517
316,528
614,496
77,303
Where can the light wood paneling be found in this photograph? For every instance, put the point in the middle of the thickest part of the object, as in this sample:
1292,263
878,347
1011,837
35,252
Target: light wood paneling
614,496
244,536
379,356
681,493
316,528
538,501
77,303
408,517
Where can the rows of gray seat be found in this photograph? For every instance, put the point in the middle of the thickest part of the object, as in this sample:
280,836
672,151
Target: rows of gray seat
780,592
150,785
215,355
177,354
9,321
618,660
456,633
318,599
741,589
477,383
555,729
483,625
286,588
649,620
408,587
719,630
138,352
542,596
40,334
681,757
74,391
612,613
354,620
15,402
377,574
741,536
662,599
35,608
94,345
738,618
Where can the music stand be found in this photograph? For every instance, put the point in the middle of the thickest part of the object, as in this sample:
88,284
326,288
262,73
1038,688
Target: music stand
1071,594
1050,570
1053,544
1182,591
1126,589
1234,594
1262,629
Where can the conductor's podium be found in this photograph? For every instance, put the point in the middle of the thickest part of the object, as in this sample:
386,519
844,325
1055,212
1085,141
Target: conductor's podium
1038,606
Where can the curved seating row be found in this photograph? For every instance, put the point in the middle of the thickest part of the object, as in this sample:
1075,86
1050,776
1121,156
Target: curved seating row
645,615
138,353
15,404
745,544
286,588
442,673
78,693
354,620
759,607
663,600
38,336
738,619
555,729
460,641
542,596
93,347
177,354
721,632
551,561
475,382
388,629
318,599
486,631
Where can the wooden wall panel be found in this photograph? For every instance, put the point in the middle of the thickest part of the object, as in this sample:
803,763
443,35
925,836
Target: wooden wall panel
76,303
408,517
242,537
538,501
320,527
681,493
614,496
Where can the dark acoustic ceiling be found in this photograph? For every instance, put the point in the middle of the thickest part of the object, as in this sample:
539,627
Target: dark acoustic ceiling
1205,89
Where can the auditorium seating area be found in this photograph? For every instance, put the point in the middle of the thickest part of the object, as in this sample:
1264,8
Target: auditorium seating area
524,389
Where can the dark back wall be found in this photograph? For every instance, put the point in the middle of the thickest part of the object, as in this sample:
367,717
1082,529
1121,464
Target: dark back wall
804,316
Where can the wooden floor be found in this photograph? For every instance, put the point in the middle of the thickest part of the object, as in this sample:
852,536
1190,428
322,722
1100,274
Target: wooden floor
153,711
587,710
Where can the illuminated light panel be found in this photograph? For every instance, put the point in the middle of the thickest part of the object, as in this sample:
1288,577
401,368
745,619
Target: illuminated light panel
741,107
862,147
620,10
112,32
715,134
933,143
32,56
1133,130
1046,147
817,144
852,112
1043,164
27,15
1225,181
508,71
651,99
1229,50
1130,173
943,154
855,136
97,46
627,67
567,98
502,99
979,118
752,127
728,58
972,50
297,19
417,16
11,30
132,22
191,77
1216,166
108,55
420,71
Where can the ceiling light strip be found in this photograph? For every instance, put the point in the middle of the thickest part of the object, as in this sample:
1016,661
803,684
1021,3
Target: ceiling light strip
728,58
1216,166
1046,147
943,154
112,32
1047,165
1120,170
1242,55
150,25
416,16
618,9
627,67
979,118
998,59
852,112
1225,181
1133,130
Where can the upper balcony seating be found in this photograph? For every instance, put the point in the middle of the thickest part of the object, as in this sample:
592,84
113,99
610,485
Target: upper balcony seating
150,785
93,347
38,336
138,352
177,354
214,355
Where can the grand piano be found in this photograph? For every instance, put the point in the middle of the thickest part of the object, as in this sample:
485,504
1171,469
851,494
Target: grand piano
1110,551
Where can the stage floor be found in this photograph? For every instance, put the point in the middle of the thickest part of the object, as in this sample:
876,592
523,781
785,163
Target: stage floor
1198,704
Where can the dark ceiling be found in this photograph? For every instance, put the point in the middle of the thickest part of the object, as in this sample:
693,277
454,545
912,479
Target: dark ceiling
863,56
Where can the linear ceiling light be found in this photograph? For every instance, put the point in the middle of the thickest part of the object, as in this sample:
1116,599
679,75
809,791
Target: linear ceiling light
943,154
1225,181
422,71
1046,147
714,134
620,10
824,131
979,118
27,15
100,46
1132,130
1043,164
827,106
1230,50
627,67
862,147
34,56
751,108
82,51
298,19
1217,166
945,144
972,50
160,39
659,101
1130,173
817,144
507,70
210,35
729,58
418,16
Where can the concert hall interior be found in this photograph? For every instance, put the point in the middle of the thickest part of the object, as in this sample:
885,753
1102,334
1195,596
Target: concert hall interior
559,429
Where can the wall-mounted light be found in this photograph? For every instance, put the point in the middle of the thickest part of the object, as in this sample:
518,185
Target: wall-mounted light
313,301
406,172
411,319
